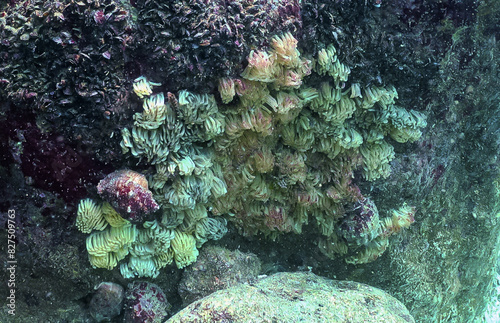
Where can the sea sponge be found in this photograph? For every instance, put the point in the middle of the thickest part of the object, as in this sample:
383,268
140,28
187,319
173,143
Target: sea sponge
184,247
89,217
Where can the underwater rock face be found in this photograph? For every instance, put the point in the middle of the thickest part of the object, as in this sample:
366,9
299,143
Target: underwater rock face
145,303
107,301
128,192
296,297
194,43
217,268
362,224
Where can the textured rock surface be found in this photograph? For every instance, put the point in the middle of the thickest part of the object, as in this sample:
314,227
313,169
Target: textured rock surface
217,268
296,297
107,301
145,302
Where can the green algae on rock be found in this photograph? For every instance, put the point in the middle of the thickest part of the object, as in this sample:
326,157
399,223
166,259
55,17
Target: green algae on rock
297,297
